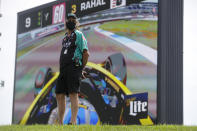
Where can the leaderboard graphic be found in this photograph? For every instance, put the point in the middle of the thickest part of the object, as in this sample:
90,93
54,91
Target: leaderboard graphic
41,18
55,14
120,87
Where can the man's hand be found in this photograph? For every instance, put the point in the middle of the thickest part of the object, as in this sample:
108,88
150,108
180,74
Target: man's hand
84,74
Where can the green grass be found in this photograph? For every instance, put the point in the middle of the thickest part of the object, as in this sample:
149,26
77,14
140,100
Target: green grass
139,30
98,128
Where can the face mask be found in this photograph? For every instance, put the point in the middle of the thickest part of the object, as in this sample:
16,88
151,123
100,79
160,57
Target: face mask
70,25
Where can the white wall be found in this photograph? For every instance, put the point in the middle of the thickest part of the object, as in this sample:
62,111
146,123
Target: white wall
190,62
8,23
8,26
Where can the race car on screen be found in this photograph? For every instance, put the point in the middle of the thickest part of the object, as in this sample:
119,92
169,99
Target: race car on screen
103,98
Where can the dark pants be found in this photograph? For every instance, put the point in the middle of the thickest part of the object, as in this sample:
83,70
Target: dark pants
69,80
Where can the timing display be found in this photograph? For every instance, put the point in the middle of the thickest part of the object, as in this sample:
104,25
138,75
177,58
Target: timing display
85,7
53,14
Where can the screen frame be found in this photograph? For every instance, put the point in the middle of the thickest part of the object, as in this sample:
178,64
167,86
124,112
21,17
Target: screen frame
170,62
169,69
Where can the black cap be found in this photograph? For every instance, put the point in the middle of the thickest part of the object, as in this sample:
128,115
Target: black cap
71,15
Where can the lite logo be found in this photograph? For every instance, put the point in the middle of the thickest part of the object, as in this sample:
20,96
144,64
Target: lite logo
137,107
2,83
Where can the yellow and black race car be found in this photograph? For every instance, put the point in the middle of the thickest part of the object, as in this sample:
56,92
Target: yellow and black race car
104,98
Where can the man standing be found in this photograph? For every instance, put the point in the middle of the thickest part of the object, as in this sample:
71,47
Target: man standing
73,58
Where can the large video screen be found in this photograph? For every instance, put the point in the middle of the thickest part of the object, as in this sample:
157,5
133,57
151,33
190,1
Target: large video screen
121,86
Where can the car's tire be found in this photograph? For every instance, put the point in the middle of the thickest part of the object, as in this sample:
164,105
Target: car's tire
116,64
43,76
